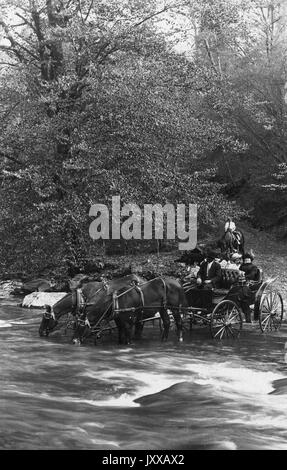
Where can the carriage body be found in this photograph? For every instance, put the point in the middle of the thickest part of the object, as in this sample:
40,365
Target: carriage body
223,313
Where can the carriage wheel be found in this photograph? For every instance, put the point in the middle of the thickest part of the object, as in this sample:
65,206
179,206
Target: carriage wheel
226,320
270,311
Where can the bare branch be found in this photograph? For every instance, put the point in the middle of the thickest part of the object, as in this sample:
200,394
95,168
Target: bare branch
17,25
80,10
27,22
9,157
152,15
8,63
210,55
89,10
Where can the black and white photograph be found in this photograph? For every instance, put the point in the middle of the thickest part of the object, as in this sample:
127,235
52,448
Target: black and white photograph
143,228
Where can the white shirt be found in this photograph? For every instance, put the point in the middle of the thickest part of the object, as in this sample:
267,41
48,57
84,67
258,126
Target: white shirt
208,267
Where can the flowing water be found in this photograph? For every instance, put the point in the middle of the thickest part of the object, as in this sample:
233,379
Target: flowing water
200,394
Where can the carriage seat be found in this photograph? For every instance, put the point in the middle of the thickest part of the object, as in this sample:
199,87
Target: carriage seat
230,276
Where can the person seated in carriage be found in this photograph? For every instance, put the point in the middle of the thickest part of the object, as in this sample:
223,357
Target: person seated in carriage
234,262
251,271
189,281
244,291
208,277
243,296
209,274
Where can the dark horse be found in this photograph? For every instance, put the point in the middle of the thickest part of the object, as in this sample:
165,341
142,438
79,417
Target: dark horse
232,242
131,306
72,303
229,243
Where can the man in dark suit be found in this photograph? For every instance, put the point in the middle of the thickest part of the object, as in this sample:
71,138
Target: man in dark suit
209,274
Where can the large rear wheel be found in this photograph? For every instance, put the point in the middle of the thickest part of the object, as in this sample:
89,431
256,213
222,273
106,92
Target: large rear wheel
226,320
270,311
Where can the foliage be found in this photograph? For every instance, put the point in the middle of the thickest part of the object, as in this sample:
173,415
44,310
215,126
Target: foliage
96,102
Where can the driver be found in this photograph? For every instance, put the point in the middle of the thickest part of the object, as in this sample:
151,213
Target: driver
209,274
208,277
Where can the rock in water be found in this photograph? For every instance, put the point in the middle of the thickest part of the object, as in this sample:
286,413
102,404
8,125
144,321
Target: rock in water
40,299
40,285
7,288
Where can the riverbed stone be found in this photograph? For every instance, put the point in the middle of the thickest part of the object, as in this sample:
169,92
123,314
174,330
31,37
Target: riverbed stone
8,287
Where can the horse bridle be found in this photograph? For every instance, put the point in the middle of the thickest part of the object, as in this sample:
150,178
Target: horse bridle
81,304
49,315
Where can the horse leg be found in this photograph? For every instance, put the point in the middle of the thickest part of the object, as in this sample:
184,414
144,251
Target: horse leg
79,335
125,324
166,323
138,329
128,330
178,322
121,332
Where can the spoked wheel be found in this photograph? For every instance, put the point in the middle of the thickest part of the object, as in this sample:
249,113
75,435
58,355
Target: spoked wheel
270,311
226,320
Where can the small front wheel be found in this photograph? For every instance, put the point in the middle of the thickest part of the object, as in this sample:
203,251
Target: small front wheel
226,320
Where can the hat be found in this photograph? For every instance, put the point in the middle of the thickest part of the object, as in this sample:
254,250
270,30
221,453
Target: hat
235,256
195,257
213,254
248,255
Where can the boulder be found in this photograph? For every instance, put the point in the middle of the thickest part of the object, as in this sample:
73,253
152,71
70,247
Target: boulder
9,287
40,285
40,299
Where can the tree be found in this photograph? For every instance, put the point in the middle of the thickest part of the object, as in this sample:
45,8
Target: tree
96,103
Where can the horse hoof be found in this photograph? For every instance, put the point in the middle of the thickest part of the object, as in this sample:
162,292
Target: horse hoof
77,342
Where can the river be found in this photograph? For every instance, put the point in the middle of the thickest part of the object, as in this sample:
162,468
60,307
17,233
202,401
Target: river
199,394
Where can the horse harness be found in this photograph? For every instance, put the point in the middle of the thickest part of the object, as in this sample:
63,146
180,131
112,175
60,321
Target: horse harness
116,308
79,302
135,285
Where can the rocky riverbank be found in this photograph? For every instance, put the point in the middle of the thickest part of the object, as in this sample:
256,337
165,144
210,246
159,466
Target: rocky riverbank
270,255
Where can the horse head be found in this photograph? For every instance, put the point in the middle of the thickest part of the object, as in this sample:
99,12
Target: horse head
96,309
48,322
52,314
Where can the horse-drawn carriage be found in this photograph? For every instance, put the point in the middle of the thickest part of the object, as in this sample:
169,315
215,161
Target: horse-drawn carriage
98,308
222,311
